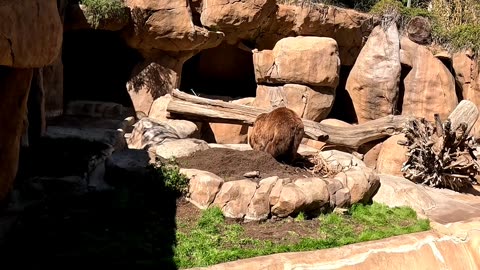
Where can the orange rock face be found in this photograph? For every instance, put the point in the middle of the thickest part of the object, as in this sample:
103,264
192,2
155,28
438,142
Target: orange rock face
14,88
373,83
28,40
429,86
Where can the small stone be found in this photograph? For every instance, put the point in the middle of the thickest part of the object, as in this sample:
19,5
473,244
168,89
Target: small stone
252,174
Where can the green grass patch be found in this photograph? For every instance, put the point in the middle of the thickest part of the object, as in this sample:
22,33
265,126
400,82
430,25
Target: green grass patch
212,241
169,171
99,10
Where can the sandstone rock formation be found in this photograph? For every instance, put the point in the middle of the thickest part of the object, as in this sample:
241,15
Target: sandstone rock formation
167,25
259,207
237,19
392,156
300,73
180,148
158,109
309,103
231,133
14,85
166,139
311,61
373,82
429,86
203,187
149,81
440,205
148,133
291,200
348,27
26,41
467,75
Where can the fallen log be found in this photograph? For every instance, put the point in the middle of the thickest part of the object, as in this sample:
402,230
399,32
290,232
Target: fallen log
191,107
442,154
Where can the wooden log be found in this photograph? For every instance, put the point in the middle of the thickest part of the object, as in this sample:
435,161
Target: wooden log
466,112
191,107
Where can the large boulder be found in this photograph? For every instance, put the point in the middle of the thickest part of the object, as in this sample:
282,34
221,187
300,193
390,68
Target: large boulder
230,133
397,191
28,39
180,148
311,61
361,183
259,207
167,25
234,197
126,166
467,74
419,30
316,192
373,83
203,187
149,81
439,205
158,108
290,201
347,26
392,156
238,19
14,87
148,132
312,103
429,86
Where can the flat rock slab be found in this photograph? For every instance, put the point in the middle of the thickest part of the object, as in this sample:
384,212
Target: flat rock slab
440,205
111,137
86,122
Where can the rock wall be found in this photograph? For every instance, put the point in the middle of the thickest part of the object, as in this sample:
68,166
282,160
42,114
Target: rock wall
30,37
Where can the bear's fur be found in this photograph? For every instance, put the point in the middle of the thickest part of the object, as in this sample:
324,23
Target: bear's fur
278,133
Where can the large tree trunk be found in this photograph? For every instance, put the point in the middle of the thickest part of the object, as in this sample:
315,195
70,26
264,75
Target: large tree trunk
196,108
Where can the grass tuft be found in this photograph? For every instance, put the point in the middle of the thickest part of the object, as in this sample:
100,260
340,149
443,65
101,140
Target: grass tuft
99,10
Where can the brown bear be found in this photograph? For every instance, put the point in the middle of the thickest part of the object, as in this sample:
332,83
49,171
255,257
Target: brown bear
278,133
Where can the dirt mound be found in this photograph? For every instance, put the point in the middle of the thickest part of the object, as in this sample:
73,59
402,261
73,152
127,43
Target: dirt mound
232,164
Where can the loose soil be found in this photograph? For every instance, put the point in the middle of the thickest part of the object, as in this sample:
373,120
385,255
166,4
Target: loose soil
233,164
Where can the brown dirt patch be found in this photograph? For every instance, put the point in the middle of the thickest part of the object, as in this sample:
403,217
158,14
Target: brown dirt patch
233,164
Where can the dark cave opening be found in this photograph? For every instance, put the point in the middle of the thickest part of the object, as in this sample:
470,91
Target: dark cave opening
342,108
225,71
401,89
97,66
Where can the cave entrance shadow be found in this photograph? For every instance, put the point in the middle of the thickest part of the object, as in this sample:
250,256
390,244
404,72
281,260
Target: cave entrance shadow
132,224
